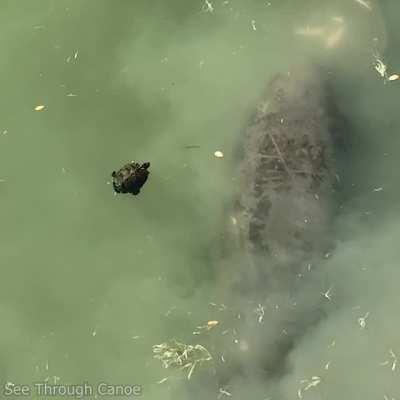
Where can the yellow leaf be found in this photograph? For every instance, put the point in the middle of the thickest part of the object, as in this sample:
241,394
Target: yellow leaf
393,77
211,324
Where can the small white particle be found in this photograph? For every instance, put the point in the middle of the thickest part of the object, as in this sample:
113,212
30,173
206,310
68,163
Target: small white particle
364,4
223,392
362,321
327,294
327,365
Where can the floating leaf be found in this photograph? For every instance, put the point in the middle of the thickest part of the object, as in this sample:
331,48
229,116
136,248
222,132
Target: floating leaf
211,324
40,107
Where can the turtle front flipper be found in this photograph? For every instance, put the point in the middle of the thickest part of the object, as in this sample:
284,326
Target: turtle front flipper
145,165
117,189
135,191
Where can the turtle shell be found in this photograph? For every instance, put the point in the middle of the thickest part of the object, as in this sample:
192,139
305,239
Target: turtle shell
130,178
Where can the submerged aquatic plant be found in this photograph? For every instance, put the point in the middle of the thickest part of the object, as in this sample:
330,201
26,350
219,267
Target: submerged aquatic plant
178,355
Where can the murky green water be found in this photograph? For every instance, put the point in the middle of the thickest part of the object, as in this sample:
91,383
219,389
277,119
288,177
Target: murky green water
90,281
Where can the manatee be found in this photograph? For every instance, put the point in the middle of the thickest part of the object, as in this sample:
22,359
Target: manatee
287,175
280,221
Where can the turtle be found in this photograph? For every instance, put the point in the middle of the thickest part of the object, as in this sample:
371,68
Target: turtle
130,178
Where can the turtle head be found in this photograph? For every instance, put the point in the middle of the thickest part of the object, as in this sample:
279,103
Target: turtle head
146,165
114,174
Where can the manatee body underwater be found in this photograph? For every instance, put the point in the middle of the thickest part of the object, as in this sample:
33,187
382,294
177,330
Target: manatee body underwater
279,225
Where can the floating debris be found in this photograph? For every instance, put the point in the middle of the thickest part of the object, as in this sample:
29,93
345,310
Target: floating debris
208,7
393,360
218,154
362,321
162,381
365,4
253,25
178,355
221,307
259,311
327,365
327,294
379,189
169,312
380,67
211,324
308,384
393,77
40,107
223,392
